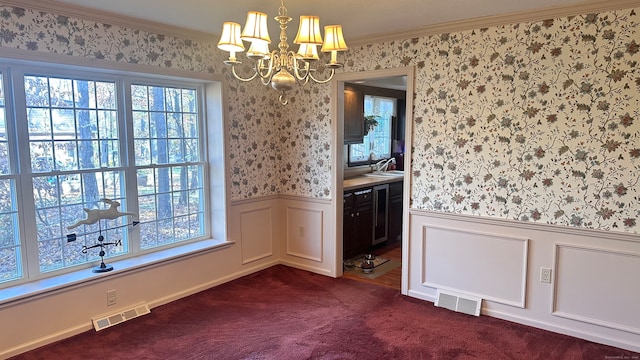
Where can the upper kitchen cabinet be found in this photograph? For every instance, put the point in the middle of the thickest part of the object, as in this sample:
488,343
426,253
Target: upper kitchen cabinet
353,115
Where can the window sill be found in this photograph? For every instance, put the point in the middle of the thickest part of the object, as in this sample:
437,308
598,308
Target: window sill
40,288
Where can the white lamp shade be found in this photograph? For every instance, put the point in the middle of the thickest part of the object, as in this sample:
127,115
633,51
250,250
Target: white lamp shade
333,39
255,29
230,39
258,49
308,52
309,31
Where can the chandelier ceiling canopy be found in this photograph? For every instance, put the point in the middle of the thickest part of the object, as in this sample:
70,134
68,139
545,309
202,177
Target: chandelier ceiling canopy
282,68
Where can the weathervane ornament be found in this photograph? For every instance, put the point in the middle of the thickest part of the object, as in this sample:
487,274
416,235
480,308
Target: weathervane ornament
95,216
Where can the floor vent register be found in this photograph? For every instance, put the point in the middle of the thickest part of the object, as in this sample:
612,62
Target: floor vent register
104,322
458,302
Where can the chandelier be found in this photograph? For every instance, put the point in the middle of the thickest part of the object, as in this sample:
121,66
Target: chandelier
282,68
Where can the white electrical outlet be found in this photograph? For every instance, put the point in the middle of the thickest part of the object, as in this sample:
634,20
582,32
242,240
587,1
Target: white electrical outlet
111,297
301,231
545,275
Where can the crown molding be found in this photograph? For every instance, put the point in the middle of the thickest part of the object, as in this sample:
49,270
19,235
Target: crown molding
106,17
81,12
586,7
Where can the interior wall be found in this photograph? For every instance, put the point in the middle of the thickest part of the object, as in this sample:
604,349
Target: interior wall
525,156
536,122
304,162
307,235
526,139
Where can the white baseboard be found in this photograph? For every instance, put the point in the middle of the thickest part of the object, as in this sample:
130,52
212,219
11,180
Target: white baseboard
7,353
313,269
586,335
421,296
210,284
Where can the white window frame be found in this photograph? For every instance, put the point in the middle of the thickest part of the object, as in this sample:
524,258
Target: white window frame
369,138
211,149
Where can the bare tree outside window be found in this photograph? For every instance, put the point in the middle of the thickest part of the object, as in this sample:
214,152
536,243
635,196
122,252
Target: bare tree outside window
85,149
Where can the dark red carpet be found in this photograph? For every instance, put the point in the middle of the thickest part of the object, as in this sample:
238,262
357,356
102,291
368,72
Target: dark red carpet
284,313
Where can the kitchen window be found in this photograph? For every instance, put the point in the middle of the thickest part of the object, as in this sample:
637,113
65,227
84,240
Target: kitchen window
68,140
376,144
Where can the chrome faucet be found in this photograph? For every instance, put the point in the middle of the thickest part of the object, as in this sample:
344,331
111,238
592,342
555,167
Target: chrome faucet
382,165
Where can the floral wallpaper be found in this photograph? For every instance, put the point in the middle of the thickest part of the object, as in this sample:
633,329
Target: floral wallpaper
276,149
534,121
305,143
253,140
39,31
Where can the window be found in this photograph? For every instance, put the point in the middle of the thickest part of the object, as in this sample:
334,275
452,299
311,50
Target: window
89,137
376,144
167,154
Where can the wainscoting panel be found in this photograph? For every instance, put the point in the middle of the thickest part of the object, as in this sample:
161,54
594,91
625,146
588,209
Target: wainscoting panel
256,233
487,265
304,233
588,287
592,294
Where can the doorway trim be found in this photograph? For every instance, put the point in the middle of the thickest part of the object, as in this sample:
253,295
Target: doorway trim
337,129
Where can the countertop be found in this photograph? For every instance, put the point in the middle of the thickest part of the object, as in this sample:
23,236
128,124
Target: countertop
371,180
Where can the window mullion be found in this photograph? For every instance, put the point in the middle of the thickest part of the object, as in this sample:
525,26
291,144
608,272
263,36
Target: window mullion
203,147
127,149
28,228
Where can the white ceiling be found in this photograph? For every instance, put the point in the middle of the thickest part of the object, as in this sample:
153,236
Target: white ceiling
359,18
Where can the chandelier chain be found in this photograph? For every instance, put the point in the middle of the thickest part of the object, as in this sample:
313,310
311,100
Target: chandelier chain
282,10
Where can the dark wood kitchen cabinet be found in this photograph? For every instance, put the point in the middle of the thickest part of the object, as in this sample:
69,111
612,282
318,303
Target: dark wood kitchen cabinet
357,227
395,211
353,115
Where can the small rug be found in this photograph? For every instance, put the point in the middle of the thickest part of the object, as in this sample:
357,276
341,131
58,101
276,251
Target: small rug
377,261
383,266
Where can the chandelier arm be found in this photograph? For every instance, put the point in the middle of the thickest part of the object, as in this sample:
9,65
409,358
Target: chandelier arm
301,76
325,80
265,80
304,82
268,74
235,74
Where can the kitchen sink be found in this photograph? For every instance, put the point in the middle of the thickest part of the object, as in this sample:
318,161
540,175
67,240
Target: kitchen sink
390,173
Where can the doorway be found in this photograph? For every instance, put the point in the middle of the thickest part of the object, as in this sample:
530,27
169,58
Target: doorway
397,79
